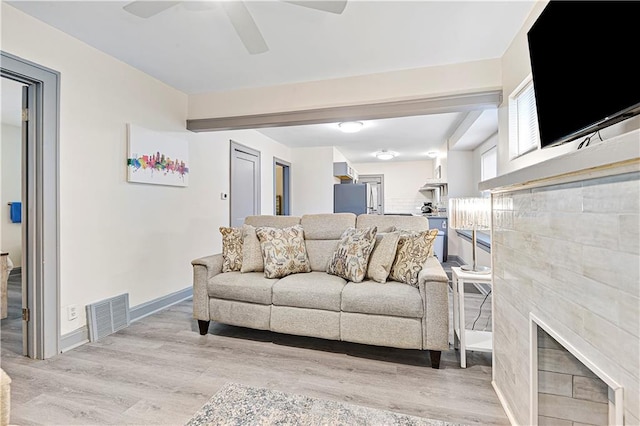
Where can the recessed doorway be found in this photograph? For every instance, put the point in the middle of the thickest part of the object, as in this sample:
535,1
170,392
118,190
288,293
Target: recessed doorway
282,185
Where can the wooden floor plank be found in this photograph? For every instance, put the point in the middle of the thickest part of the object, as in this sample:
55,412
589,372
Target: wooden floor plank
161,371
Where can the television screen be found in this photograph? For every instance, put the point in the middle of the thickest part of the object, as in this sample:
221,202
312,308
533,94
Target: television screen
584,61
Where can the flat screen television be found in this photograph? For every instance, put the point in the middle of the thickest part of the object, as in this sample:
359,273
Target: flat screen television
584,60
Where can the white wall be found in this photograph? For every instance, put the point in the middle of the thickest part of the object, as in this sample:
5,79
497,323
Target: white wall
11,181
401,183
460,174
312,180
477,158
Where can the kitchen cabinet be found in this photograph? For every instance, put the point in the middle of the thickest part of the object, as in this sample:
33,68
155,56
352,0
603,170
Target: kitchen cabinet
441,244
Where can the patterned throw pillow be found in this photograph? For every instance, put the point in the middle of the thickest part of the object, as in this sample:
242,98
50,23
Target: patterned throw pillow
283,251
413,250
251,251
231,249
382,256
351,257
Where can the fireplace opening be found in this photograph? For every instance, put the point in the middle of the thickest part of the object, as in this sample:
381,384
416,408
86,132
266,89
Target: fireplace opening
567,389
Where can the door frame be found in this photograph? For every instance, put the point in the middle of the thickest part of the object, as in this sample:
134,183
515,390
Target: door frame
40,189
286,191
235,146
381,192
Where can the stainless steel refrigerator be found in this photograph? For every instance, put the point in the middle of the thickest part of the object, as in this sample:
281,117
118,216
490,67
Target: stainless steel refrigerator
351,198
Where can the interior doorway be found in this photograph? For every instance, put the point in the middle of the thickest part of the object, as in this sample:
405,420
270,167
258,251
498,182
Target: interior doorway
11,232
39,278
282,187
375,192
245,183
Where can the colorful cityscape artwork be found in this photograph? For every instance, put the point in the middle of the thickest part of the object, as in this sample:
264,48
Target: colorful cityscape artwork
159,158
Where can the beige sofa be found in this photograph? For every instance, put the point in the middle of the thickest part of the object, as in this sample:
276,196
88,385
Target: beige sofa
318,304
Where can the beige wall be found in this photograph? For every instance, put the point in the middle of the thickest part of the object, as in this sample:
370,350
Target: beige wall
312,180
11,181
118,237
443,80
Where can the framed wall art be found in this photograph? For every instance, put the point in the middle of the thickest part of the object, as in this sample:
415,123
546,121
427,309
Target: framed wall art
159,158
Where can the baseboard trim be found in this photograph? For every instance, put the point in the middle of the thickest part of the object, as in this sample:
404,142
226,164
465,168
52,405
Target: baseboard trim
503,402
151,307
80,336
74,339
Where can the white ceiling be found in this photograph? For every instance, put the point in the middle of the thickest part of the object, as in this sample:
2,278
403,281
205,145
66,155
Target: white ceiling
410,137
196,50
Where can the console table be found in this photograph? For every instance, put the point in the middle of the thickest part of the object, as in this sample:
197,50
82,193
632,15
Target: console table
472,340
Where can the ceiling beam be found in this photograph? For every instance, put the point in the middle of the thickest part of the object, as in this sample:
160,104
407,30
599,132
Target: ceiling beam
464,126
392,109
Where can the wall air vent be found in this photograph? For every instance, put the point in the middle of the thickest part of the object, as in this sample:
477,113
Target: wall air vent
108,316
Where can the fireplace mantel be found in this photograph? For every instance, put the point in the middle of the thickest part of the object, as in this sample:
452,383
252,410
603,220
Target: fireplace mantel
617,155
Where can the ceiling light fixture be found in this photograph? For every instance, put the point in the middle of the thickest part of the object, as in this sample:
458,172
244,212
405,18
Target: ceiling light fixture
385,155
432,154
351,126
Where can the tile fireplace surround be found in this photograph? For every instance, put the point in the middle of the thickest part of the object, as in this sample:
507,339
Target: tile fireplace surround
566,252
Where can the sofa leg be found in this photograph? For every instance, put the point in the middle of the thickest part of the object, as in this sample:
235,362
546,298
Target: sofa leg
204,327
435,358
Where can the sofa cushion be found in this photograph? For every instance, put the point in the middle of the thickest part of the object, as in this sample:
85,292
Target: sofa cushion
413,250
320,252
231,249
391,298
283,251
251,251
316,290
250,287
326,226
382,256
351,257
389,223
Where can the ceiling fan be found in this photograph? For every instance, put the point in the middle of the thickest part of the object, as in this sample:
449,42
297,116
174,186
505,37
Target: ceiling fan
238,14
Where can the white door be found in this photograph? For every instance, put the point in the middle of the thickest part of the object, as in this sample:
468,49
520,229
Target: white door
245,183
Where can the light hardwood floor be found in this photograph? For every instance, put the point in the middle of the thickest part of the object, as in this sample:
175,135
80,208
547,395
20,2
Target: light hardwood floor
161,371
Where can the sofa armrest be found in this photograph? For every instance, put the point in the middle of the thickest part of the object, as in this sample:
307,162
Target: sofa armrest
433,283
204,268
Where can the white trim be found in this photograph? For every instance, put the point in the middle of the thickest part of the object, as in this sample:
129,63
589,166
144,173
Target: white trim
504,404
618,395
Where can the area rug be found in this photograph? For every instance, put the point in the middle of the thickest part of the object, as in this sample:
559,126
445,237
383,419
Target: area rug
236,404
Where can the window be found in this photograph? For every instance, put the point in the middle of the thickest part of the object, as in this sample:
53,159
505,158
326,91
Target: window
489,164
523,120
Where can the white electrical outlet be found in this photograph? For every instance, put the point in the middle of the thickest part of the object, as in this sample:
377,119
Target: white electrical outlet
224,196
72,312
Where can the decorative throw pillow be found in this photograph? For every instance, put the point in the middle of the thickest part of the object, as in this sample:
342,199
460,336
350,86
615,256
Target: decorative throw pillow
382,256
413,250
351,257
251,251
231,249
283,251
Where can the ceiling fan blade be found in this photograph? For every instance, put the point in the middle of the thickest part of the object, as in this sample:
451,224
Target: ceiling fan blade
245,26
146,9
333,6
